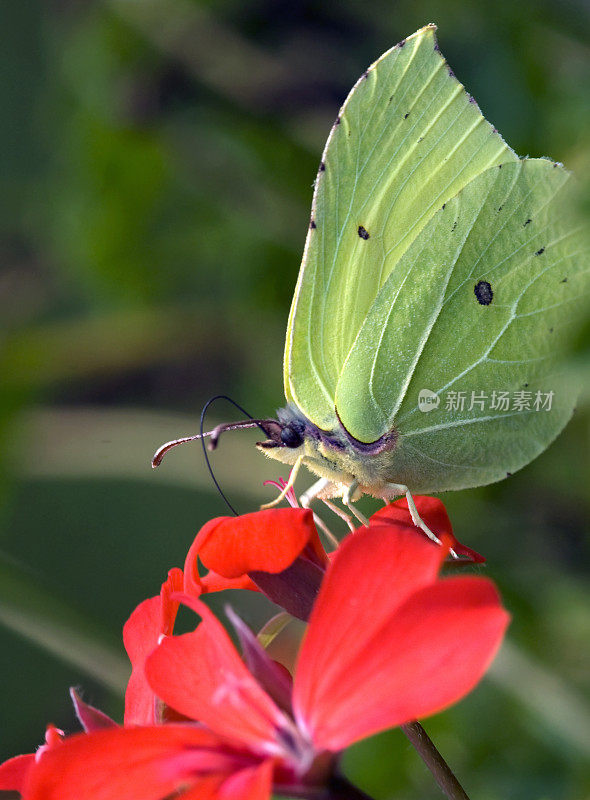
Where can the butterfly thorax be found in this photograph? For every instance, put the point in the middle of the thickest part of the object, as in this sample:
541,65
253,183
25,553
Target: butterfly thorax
333,454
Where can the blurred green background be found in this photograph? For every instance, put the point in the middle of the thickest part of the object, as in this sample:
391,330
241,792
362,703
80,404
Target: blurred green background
157,167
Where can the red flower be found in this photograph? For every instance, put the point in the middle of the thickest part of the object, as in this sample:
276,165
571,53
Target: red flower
388,642
279,551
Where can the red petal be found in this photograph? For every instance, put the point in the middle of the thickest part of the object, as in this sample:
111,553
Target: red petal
169,607
254,783
201,675
468,552
387,644
434,514
206,789
135,763
14,771
372,573
431,510
53,737
141,633
450,632
90,718
140,637
265,541
249,784
195,584
212,582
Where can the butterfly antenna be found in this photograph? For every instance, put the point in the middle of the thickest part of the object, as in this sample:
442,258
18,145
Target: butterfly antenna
213,437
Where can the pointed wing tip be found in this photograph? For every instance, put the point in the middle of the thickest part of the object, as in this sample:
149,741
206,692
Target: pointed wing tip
426,31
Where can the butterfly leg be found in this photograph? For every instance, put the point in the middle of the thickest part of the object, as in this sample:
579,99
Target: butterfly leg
314,492
321,526
397,489
339,513
347,499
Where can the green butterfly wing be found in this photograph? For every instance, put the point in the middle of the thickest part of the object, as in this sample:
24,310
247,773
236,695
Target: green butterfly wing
407,139
508,237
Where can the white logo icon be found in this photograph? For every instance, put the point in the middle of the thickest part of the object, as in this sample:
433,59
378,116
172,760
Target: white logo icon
427,400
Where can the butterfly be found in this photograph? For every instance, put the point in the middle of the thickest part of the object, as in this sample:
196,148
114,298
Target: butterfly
441,279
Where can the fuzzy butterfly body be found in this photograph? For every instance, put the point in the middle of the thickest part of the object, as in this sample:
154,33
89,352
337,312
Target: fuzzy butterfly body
437,263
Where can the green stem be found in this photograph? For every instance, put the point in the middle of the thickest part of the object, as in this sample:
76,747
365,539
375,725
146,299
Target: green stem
434,761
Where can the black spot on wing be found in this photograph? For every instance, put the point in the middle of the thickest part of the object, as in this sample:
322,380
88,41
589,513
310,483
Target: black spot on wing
312,225
406,115
529,220
540,251
363,232
322,166
483,293
564,280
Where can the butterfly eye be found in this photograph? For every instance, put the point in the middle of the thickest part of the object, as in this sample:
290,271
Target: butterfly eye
291,437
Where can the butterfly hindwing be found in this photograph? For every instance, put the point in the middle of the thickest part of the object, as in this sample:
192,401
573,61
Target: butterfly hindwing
481,304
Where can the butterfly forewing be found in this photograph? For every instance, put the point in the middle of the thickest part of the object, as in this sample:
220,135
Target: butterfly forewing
407,139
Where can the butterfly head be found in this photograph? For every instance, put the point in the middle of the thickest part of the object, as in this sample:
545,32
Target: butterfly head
287,436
